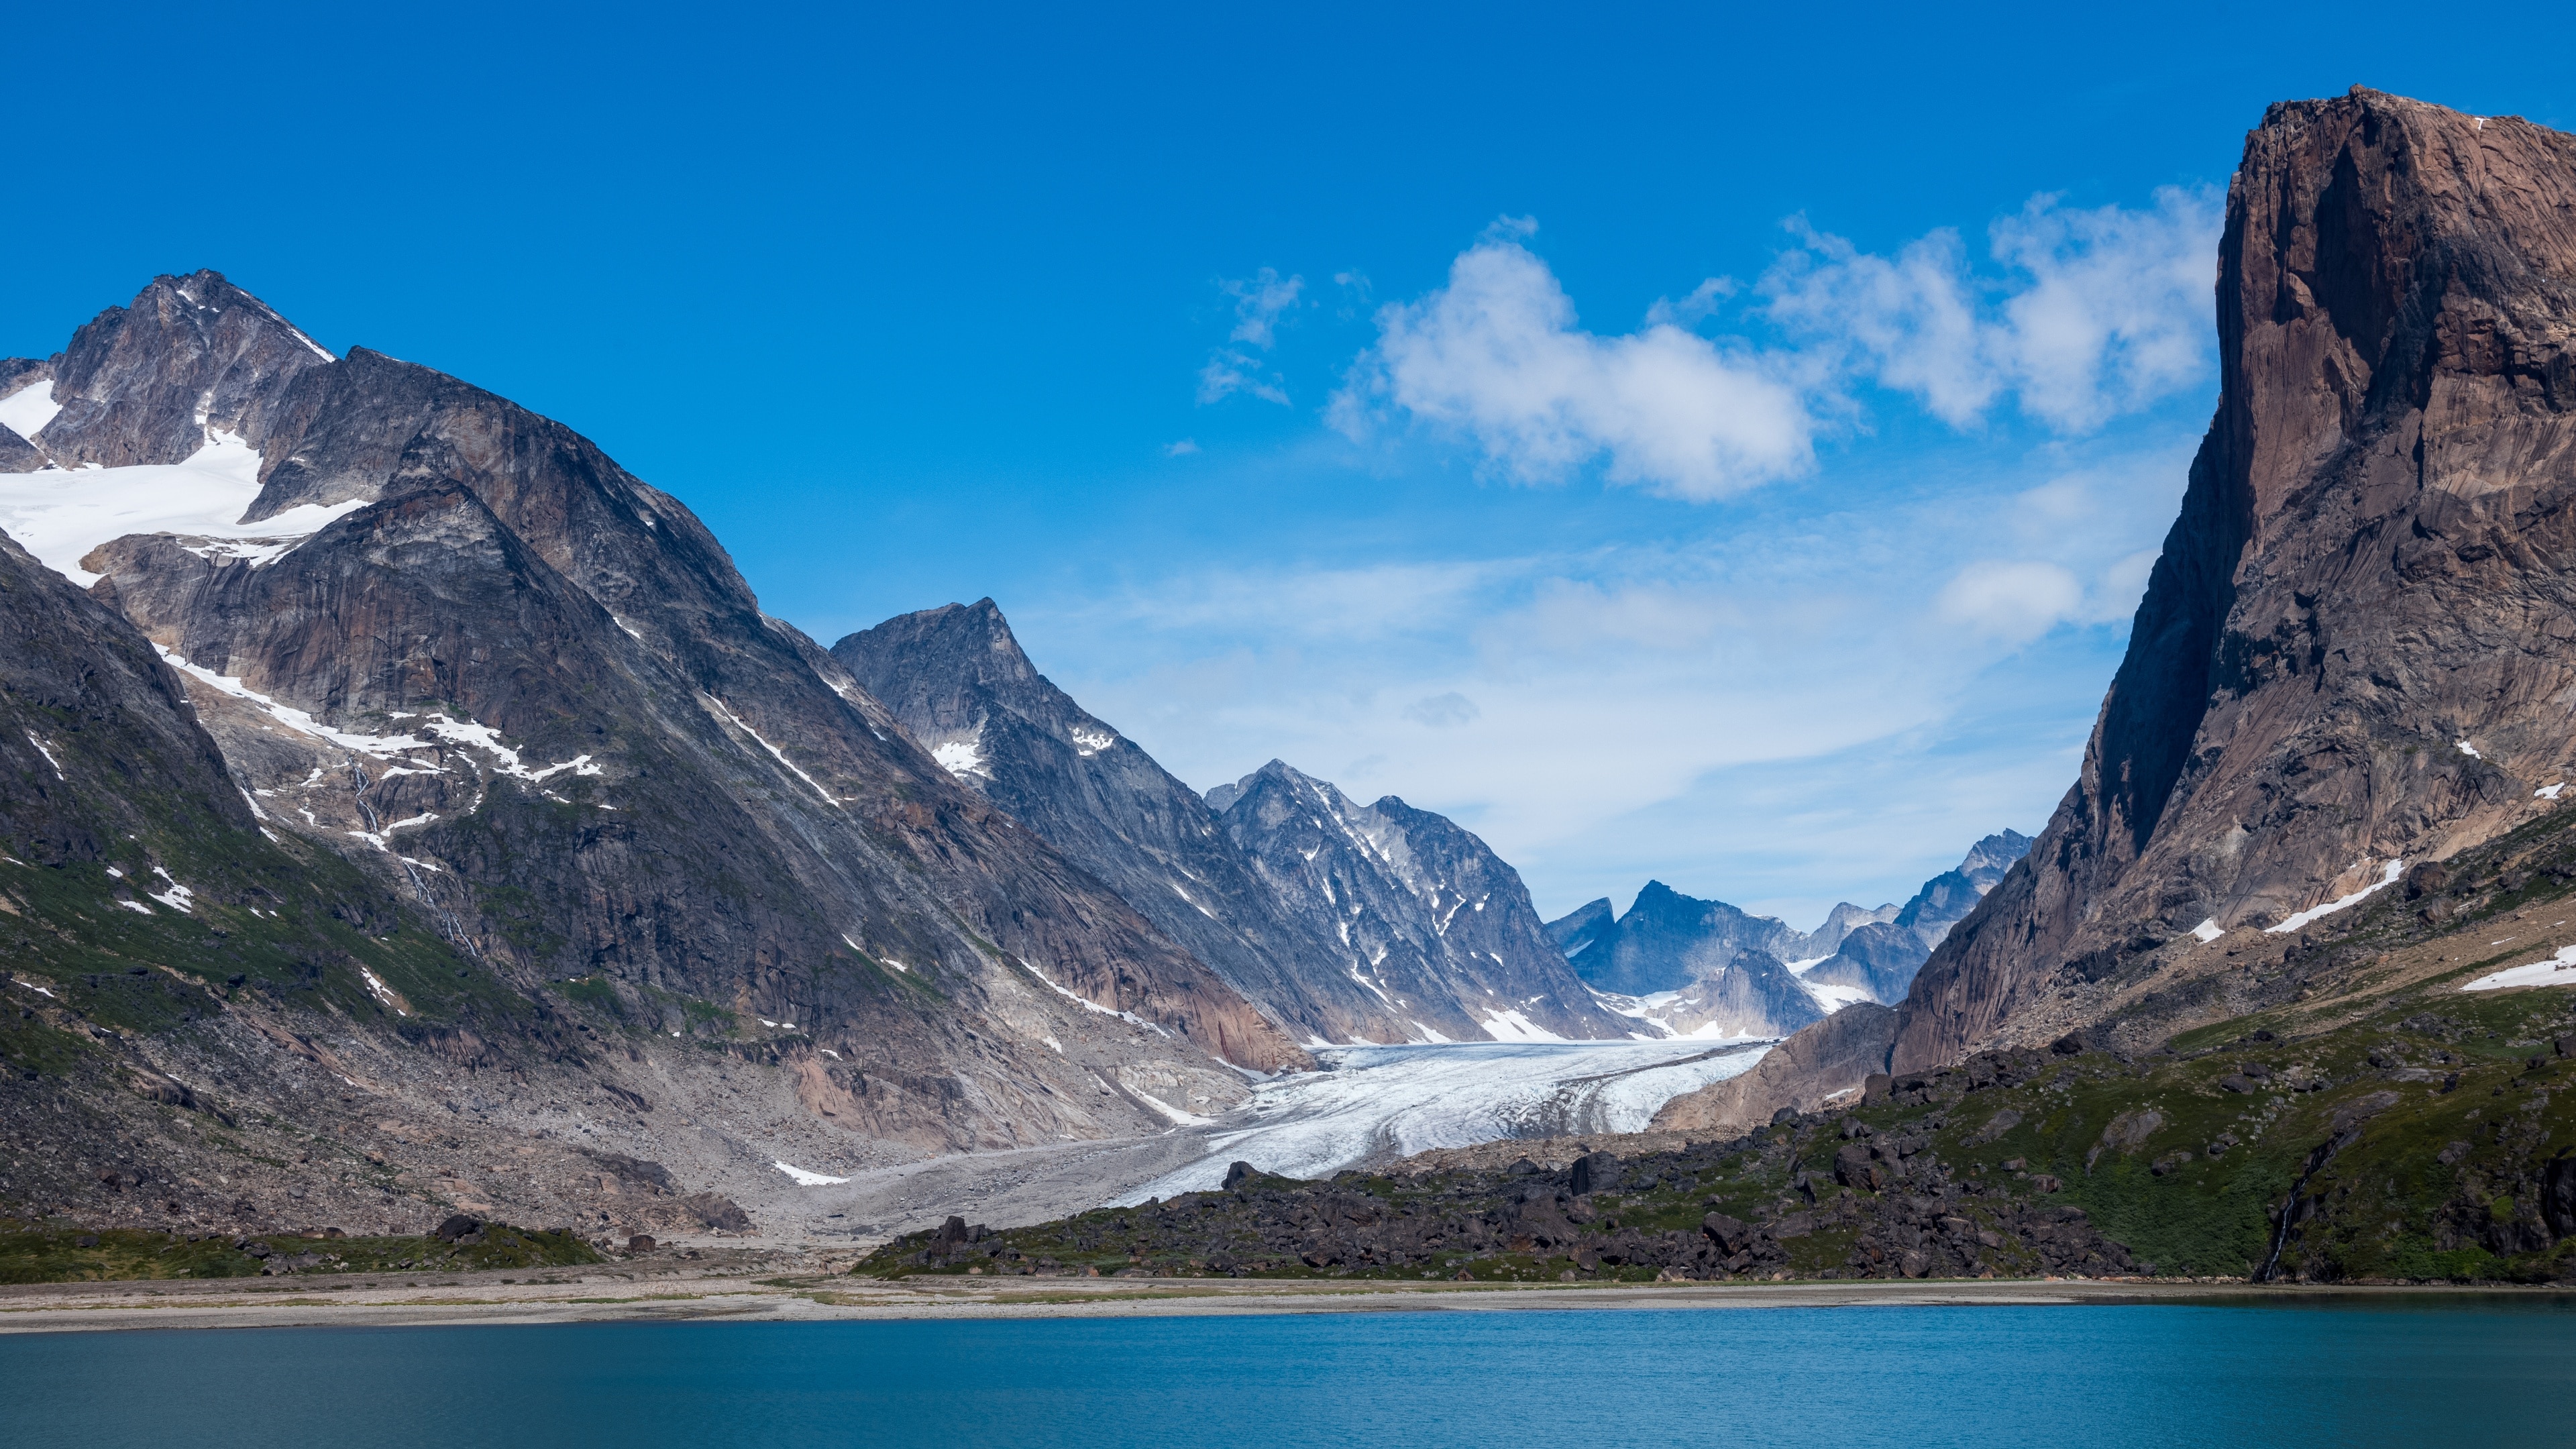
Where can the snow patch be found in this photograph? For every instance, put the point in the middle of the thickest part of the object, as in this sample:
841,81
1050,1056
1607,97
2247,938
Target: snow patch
1832,998
807,1179
26,411
381,992
2548,792
1512,1026
2468,749
2558,970
961,758
50,760
177,897
1089,742
2208,931
2387,878
137,907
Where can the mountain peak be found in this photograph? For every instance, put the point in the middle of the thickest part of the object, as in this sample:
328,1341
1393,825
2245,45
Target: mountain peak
2373,518
959,641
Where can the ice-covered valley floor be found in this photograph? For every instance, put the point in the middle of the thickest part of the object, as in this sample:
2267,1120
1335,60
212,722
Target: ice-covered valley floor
1377,1103
1369,1104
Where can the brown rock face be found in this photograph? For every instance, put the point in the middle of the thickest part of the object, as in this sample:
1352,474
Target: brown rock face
143,383
1835,1055
2355,648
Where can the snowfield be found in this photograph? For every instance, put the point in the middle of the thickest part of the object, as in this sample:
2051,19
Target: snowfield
1372,1103
60,515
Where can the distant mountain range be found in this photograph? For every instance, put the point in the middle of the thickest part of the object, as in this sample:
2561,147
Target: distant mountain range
1705,967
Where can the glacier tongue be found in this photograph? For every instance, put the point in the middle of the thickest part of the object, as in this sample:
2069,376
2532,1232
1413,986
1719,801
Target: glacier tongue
1379,1102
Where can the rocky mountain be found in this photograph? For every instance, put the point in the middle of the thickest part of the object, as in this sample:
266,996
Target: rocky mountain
1429,920
2349,669
450,646
959,682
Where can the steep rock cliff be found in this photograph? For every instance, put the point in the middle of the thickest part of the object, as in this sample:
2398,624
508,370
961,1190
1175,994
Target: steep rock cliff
2355,649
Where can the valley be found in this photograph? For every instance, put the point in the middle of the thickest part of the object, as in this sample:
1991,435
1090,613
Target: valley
419,839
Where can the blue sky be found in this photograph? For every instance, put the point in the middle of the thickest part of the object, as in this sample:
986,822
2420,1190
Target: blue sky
1713,444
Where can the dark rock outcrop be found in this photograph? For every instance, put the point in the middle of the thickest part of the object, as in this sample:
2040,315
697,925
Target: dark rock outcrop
146,382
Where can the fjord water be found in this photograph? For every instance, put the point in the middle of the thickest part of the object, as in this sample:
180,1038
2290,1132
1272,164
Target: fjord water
2426,1373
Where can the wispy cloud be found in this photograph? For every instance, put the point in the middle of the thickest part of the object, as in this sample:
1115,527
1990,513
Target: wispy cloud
2086,315
1600,714
2097,312
1260,301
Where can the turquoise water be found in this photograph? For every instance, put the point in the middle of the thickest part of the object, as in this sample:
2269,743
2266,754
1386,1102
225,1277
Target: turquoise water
1996,1378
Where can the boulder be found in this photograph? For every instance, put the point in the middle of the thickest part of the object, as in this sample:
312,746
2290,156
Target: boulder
1732,1235
1595,1172
456,1229
1237,1174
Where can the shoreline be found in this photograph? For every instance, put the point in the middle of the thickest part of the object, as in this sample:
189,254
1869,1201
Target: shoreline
462,1300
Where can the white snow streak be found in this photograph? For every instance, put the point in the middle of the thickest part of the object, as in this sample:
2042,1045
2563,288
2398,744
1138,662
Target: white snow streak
807,1179
2208,931
775,752
2386,879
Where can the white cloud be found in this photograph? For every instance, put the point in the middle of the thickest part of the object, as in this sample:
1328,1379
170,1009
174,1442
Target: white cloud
2093,314
2011,600
1495,356
1181,449
1260,301
2102,311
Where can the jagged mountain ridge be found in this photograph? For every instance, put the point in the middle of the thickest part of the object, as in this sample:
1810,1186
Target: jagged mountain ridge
959,681
1881,957
1438,927
1287,937
529,694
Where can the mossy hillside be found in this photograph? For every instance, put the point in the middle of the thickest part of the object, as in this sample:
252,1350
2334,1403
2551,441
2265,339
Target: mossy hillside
52,1251
313,939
